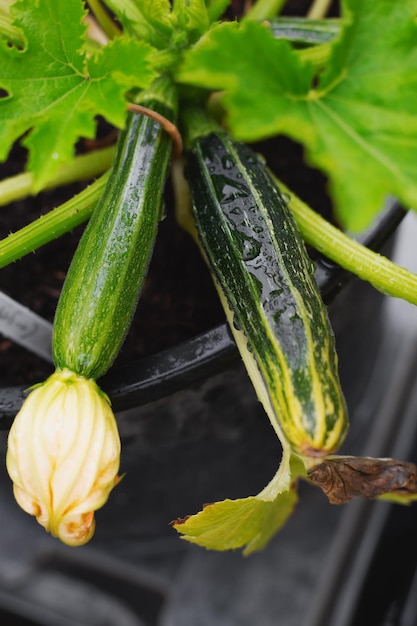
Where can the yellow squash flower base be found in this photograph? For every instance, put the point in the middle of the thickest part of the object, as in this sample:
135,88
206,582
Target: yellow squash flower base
63,455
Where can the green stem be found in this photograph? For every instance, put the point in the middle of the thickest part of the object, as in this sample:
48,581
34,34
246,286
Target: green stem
317,55
215,9
162,90
318,9
52,225
104,20
195,123
82,167
163,60
264,9
383,274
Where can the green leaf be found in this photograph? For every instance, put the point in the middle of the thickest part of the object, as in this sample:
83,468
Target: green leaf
162,23
191,16
131,18
55,90
396,498
157,13
144,19
247,523
358,122
257,72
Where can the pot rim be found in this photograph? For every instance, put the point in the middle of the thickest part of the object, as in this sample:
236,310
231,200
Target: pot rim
158,375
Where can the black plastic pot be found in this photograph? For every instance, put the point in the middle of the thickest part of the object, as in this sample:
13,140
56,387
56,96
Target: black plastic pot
193,431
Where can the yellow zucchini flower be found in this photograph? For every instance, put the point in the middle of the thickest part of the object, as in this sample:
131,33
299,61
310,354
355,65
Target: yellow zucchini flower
63,455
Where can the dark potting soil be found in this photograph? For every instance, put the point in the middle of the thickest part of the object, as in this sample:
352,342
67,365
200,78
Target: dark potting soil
178,300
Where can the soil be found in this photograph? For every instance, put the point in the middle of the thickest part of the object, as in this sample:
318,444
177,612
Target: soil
178,300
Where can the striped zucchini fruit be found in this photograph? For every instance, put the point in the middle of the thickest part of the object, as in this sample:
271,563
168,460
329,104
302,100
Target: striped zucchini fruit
261,265
110,264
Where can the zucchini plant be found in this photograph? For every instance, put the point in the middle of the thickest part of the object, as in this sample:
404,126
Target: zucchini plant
166,73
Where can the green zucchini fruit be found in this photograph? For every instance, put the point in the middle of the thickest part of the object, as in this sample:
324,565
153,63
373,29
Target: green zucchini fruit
261,267
102,286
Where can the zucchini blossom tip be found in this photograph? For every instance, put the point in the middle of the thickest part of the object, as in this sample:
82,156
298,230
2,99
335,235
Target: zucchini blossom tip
63,455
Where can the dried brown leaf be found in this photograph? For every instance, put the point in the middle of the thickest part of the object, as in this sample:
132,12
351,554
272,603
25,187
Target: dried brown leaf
343,477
